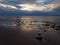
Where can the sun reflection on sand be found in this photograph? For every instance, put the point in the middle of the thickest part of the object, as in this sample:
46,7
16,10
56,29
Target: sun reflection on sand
26,21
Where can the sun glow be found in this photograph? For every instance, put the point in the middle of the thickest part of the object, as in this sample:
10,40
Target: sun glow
36,7
28,7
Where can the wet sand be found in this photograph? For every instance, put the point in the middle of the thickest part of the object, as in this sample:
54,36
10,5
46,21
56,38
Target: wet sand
17,36
11,36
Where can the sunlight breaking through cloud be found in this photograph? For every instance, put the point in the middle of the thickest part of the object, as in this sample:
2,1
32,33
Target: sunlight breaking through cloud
31,7
40,7
37,5
27,7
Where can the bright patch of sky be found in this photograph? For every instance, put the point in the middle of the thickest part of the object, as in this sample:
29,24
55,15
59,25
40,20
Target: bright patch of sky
41,1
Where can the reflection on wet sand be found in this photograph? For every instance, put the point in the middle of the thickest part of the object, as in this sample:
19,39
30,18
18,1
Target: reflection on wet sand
25,23
30,30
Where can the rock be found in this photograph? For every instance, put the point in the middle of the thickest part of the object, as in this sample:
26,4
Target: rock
44,30
39,34
46,24
39,38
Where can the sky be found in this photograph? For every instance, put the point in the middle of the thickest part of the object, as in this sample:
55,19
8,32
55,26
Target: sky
29,7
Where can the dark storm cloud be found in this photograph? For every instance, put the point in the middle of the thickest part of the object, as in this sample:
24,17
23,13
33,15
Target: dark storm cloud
57,9
25,13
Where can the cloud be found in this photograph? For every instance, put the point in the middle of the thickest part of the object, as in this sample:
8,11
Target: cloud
10,2
56,1
29,7
29,1
35,7
8,6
